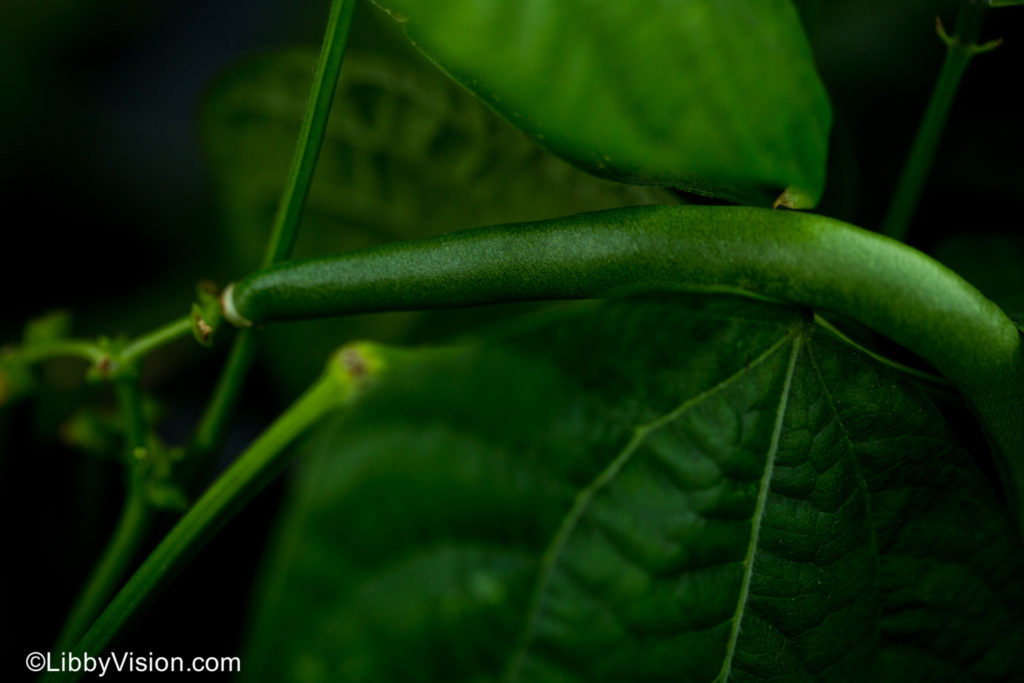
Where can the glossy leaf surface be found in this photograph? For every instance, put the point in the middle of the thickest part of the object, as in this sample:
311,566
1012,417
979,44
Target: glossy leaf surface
675,488
718,98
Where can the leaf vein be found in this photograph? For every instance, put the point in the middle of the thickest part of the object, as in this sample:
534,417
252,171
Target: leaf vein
861,480
762,498
584,497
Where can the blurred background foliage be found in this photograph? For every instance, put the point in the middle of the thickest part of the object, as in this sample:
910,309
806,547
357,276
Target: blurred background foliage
408,153
141,150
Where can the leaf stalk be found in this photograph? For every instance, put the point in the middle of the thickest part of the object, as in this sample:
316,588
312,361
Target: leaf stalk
213,424
348,374
961,47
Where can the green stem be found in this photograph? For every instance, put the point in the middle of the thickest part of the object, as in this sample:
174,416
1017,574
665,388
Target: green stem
116,559
961,47
213,424
345,376
75,348
93,353
109,570
148,343
286,221
311,135
128,535
129,397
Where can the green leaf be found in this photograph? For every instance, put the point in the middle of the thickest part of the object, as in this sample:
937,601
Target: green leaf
54,326
407,154
674,488
718,98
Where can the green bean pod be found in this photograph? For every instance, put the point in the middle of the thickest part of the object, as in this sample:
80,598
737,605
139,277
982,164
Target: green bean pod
796,257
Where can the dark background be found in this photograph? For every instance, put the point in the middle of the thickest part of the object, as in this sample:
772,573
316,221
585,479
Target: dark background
106,210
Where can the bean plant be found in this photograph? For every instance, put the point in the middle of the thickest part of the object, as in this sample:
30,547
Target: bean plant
692,430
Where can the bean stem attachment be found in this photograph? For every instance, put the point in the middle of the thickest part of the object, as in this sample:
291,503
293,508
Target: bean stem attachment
213,424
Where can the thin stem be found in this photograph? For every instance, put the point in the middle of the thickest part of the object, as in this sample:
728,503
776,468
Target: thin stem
148,343
129,398
960,49
109,570
888,362
311,135
75,348
116,559
128,535
94,353
213,424
253,469
286,221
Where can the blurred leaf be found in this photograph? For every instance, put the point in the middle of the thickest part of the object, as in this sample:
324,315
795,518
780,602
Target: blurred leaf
51,327
407,154
156,469
15,380
675,488
100,429
718,98
93,430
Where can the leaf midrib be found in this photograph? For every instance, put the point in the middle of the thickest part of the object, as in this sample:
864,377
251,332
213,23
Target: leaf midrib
583,498
762,498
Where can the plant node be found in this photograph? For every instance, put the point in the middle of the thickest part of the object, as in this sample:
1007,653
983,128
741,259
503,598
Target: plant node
227,307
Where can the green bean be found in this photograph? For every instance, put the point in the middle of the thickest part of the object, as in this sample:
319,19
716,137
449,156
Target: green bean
795,257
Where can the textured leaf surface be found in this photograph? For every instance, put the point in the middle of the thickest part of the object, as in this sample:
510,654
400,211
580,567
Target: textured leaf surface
719,98
407,154
685,488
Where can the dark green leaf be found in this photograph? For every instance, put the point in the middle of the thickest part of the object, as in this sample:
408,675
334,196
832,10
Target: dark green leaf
47,328
407,154
719,98
683,488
